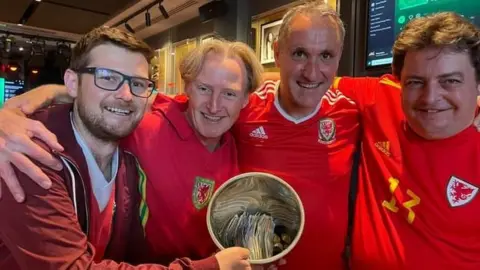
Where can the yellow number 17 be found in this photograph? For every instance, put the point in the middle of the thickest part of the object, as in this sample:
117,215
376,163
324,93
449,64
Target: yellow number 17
392,204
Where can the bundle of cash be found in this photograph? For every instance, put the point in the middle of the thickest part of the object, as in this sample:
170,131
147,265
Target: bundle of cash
252,231
252,213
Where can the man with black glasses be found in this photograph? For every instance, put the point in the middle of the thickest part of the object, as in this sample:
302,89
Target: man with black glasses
89,218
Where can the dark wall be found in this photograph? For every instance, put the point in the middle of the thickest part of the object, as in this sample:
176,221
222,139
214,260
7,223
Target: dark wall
226,26
347,9
189,29
159,40
261,6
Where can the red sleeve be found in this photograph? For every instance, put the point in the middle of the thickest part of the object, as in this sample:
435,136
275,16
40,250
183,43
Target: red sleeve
162,98
43,232
360,89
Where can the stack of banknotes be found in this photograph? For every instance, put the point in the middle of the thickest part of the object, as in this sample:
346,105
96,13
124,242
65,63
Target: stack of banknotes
249,213
252,231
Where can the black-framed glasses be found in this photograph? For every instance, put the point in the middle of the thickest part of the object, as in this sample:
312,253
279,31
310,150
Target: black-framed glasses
112,80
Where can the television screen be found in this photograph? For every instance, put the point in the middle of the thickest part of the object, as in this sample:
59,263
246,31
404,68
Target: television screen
12,88
2,91
386,18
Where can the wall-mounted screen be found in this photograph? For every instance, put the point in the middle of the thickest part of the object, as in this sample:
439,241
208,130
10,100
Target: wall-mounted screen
386,18
12,88
2,91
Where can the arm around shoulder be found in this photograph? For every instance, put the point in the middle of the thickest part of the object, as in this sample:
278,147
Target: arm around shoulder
360,90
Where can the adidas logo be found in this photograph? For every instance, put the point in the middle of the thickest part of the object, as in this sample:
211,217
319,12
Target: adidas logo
384,147
259,133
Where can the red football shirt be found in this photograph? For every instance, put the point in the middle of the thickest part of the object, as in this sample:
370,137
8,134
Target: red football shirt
181,176
417,205
314,155
101,225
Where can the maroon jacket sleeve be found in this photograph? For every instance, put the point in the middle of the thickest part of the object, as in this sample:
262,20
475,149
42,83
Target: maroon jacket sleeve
43,232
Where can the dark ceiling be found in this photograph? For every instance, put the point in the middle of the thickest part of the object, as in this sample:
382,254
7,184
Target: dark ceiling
73,16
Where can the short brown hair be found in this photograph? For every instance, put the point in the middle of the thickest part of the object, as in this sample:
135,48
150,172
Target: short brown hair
106,35
443,30
192,64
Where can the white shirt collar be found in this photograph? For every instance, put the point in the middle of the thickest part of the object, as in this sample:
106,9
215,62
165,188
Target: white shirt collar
286,115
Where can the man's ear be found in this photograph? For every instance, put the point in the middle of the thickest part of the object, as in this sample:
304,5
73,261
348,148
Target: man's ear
72,81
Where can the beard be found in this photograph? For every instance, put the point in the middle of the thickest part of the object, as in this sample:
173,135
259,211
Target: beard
97,125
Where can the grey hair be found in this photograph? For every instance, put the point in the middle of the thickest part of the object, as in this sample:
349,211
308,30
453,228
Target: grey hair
317,8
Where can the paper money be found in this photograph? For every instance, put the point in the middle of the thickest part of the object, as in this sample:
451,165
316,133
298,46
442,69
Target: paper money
247,212
252,231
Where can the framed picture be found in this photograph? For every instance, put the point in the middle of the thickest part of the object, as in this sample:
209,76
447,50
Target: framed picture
269,35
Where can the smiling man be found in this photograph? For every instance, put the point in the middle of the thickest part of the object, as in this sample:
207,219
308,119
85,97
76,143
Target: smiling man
417,200
187,150
440,86
300,129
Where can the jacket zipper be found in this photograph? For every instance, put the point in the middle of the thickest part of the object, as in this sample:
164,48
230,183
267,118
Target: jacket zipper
86,204
84,193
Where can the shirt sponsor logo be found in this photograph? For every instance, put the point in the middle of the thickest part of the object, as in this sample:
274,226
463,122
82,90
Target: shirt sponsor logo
326,131
202,192
460,192
384,147
259,133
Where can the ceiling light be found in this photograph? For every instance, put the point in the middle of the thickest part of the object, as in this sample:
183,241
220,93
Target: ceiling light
148,21
63,49
8,44
38,47
129,28
163,11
